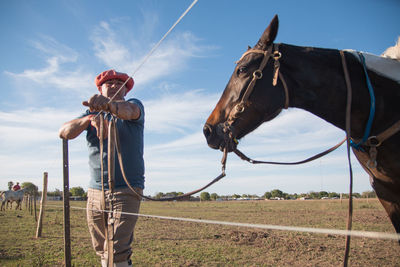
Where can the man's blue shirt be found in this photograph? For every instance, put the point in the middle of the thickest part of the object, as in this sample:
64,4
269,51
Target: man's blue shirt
131,138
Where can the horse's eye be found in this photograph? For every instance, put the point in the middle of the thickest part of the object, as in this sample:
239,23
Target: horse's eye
242,70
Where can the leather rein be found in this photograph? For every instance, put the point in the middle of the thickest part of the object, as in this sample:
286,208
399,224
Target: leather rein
115,142
228,134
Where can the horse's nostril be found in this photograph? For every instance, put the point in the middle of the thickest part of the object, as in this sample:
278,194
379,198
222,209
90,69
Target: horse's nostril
207,130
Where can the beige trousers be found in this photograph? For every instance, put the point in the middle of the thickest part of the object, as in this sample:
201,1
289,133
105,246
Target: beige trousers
124,201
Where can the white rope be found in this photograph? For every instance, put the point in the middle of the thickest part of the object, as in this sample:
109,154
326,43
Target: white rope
154,48
376,235
165,35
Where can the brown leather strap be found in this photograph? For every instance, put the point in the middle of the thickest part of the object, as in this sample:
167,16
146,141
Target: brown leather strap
388,132
276,56
257,74
348,133
111,173
319,155
375,141
271,52
101,139
107,233
250,51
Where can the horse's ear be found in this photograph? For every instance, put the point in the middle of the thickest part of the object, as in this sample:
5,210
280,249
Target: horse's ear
269,34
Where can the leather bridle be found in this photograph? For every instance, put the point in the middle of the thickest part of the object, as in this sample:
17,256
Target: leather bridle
271,52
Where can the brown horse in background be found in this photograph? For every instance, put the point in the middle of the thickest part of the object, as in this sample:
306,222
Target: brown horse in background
313,79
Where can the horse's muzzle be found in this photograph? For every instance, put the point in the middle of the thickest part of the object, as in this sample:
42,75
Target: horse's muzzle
217,138
209,134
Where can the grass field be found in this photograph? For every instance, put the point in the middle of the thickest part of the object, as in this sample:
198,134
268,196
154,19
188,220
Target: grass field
174,243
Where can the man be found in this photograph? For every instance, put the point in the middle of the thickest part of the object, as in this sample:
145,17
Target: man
130,124
16,187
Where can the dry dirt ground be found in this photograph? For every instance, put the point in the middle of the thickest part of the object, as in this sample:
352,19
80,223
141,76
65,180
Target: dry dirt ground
160,242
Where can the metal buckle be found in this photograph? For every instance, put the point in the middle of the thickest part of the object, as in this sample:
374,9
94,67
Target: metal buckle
373,141
257,74
226,127
240,107
373,152
277,55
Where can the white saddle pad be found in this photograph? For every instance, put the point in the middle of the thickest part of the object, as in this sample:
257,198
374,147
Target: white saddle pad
384,66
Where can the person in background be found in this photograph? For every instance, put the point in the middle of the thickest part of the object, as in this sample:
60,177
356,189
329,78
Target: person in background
16,187
130,125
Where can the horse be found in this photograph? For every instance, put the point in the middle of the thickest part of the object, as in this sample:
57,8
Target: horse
8,201
270,77
10,196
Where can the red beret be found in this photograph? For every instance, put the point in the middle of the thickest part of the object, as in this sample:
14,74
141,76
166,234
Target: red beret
112,74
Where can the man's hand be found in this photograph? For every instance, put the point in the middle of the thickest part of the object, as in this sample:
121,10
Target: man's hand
97,103
119,108
95,122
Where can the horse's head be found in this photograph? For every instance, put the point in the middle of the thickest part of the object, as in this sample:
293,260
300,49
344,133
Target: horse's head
250,97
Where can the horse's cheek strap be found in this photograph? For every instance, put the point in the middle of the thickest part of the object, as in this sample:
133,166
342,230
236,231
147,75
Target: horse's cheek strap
276,72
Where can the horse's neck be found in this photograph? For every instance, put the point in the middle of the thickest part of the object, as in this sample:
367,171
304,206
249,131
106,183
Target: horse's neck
316,83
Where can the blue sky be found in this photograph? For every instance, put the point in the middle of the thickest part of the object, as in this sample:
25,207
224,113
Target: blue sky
52,51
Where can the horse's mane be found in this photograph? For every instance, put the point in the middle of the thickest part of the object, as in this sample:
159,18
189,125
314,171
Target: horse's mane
393,52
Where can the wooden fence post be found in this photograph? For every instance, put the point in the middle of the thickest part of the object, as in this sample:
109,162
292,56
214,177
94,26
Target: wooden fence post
30,204
34,205
67,238
42,206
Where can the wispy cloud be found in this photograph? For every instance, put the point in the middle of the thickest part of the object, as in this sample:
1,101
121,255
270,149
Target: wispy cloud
178,112
30,146
293,136
126,52
294,130
56,74
30,127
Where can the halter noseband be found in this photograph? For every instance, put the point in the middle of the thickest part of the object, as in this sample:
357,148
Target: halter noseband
257,74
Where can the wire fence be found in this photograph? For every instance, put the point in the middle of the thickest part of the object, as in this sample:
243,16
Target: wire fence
353,233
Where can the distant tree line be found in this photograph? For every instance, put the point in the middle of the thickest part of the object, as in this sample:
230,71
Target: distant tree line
206,196
278,194
160,195
76,191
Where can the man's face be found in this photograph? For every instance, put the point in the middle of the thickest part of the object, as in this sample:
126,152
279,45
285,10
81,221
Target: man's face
110,87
